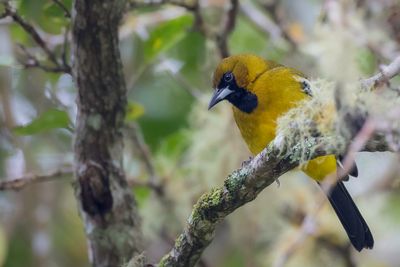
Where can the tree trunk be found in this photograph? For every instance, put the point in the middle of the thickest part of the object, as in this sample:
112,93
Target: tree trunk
106,205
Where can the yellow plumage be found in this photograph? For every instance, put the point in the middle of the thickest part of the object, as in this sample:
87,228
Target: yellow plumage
278,90
261,92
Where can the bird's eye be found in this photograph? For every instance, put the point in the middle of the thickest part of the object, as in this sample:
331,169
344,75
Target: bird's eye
228,77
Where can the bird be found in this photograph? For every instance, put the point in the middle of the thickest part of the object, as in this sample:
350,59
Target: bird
261,91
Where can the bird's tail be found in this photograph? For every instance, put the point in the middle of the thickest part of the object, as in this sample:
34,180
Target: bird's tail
350,217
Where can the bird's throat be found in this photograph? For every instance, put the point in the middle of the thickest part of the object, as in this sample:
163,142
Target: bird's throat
243,100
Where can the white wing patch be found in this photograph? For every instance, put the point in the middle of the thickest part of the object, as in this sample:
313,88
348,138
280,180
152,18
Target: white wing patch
305,84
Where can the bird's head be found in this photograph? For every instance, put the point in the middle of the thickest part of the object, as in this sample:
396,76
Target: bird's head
233,80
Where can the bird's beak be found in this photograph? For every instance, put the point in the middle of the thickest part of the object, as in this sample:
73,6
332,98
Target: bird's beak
219,95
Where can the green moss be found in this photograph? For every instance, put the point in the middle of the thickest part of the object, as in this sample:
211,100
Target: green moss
214,197
234,181
163,261
210,199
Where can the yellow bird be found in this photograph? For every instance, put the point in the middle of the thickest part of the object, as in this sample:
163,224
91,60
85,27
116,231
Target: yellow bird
261,91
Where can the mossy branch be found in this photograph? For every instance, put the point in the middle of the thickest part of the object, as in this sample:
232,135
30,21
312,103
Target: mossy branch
243,186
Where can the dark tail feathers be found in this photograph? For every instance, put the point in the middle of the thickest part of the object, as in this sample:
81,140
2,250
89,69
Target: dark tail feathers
350,217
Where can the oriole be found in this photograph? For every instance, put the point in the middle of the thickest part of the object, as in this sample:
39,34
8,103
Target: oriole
261,91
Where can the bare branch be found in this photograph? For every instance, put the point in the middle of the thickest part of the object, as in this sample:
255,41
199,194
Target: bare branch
384,75
20,183
180,3
229,24
28,179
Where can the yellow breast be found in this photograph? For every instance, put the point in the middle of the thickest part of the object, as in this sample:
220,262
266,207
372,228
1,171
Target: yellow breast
277,92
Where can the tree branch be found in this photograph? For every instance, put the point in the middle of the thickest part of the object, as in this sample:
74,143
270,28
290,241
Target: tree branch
386,73
180,3
28,179
20,183
240,187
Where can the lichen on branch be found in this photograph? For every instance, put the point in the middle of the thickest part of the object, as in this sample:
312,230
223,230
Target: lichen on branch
322,125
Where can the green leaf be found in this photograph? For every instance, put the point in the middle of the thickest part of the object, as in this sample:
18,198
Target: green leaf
165,35
134,111
141,194
53,77
53,19
31,9
53,10
366,61
18,34
49,120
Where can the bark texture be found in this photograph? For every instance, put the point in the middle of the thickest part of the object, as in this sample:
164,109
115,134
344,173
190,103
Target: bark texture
105,201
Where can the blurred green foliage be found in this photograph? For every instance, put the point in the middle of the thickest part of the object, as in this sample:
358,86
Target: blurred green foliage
51,119
165,35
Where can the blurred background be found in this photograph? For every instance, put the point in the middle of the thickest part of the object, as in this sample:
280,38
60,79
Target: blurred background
175,149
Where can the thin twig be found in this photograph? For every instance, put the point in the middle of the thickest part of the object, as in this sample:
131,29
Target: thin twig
273,10
31,31
154,181
28,179
20,183
64,48
386,73
229,24
183,4
33,62
63,7
144,151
